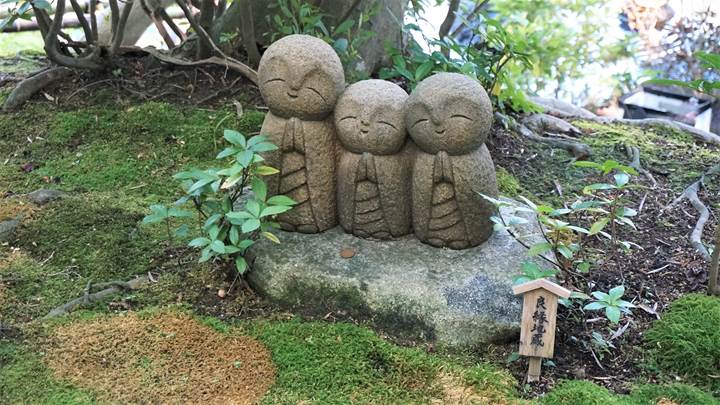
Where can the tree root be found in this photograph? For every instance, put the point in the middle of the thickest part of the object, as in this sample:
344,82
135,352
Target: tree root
567,111
544,123
633,153
239,67
107,289
577,149
690,194
28,87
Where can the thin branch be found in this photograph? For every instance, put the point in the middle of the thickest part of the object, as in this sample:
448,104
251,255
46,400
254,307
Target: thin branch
93,20
83,21
449,19
114,17
120,33
470,16
169,21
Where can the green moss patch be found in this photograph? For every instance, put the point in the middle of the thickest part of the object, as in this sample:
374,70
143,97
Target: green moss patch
71,242
686,341
587,393
344,363
108,148
24,379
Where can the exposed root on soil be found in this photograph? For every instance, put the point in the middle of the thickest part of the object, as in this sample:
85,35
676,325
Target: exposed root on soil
30,86
577,149
107,289
567,111
691,194
544,123
633,153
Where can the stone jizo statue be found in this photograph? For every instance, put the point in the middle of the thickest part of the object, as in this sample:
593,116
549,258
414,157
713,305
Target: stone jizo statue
374,171
449,117
300,79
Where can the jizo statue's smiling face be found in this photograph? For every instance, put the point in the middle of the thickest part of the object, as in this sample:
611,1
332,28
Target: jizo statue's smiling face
369,117
300,76
449,112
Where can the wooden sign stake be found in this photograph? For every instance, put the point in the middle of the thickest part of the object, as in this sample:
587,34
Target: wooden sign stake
537,325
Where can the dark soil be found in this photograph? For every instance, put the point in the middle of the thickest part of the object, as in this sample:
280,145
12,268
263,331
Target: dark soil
140,79
666,267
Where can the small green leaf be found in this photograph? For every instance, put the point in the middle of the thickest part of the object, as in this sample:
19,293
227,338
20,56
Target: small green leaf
199,242
598,226
266,171
280,200
617,292
250,225
593,306
539,248
259,188
235,138
217,246
621,179
229,151
271,237
240,264
613,314
274,210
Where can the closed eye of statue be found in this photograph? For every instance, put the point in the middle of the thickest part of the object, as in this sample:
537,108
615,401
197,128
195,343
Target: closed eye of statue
316,91
461,116
275,79
387,123
420,121
349,117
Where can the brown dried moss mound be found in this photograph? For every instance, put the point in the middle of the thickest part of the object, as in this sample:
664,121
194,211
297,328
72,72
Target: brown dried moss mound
10,208
166,358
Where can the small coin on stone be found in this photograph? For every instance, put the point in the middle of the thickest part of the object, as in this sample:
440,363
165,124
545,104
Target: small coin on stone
347,253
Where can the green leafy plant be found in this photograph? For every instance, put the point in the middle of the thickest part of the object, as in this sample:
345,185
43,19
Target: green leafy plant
708,61
608,199
490,51
230,219
611,303
160,213
302,17
531,271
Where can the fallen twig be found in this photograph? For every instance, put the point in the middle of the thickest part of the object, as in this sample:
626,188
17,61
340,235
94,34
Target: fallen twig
109,289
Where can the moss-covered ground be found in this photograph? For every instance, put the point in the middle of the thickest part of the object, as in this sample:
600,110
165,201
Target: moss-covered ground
115,158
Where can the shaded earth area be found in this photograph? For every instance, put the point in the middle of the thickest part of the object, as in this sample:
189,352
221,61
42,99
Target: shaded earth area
113,141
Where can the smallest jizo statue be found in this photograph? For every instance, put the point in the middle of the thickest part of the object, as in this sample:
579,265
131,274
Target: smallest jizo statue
374,170
449,116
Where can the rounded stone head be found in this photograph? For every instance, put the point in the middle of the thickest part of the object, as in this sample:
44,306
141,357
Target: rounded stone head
301,76
449,112
369,117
